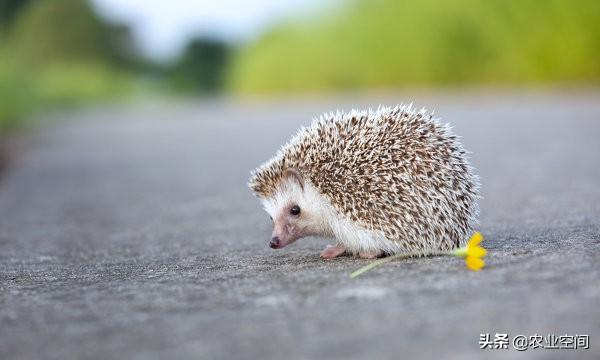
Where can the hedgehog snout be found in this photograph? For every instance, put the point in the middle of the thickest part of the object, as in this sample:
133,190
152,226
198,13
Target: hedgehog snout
274,244
284,233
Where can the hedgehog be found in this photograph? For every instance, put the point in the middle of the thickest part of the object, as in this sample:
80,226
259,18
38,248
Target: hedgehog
377,182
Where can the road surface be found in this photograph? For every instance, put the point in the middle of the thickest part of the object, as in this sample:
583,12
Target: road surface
129,233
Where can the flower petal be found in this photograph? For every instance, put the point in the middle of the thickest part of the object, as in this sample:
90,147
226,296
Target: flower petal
475,239
474,263
476,251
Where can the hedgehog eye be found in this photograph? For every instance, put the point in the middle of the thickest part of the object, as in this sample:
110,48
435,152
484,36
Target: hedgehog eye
295,210
270,217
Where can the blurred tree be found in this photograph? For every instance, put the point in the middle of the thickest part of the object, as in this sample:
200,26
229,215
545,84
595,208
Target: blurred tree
67,31
9,10
123,49
202,66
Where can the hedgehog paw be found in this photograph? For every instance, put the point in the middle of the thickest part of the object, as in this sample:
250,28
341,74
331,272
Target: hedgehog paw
332,251
374,254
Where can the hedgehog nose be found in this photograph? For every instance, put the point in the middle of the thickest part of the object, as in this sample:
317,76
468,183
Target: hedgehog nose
274,242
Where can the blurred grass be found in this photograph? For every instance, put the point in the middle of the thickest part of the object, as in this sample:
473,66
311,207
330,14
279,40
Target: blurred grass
57,54
423,43
25,91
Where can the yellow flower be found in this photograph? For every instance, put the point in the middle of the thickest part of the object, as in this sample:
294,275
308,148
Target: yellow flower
474,263
473,252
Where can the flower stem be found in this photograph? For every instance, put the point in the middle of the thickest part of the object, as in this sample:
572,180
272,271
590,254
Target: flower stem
388,259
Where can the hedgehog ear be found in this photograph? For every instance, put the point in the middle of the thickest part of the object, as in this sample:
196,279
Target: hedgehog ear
294,175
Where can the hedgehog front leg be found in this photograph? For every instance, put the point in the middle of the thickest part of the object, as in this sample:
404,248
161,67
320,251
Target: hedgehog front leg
332,251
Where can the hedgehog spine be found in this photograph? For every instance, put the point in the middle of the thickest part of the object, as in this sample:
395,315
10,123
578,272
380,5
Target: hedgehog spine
393,180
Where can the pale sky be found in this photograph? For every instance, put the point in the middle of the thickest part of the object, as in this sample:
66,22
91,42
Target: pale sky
162,27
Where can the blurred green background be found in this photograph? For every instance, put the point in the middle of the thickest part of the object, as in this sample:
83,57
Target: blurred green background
62,53
425,43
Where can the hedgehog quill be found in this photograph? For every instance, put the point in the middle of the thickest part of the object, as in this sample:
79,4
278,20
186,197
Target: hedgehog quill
379,182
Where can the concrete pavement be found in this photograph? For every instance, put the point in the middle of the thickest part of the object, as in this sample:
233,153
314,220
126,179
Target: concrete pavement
129,233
